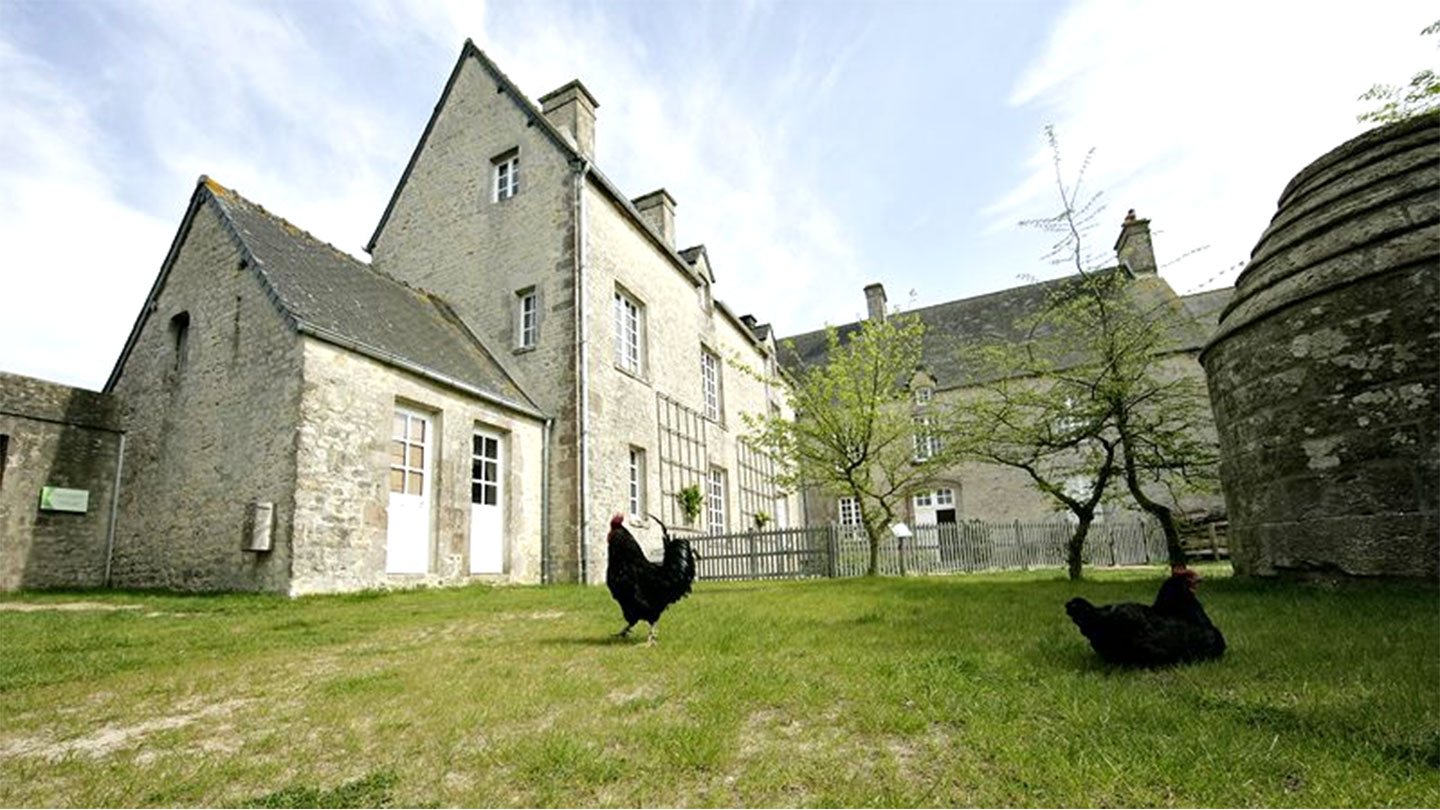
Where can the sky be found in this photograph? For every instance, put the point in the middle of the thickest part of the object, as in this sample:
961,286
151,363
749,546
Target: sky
812,147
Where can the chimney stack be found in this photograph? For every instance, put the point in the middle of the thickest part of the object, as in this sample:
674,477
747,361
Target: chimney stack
658,209
571,109
875,301
1133,248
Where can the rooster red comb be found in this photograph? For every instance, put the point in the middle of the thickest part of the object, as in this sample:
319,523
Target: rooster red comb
618,519
1179,570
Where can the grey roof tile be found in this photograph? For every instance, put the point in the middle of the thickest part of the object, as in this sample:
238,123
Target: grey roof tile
332,295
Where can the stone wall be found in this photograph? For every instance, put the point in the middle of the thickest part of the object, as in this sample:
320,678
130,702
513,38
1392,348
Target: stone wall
55,435
1324,373
445,234
209,431
343,460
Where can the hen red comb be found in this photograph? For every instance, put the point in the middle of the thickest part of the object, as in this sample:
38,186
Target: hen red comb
617,519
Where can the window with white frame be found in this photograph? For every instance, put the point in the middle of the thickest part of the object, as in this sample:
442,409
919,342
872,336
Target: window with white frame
710,383
629,333
637,482
507,175
527,317
849,511
927,442
924,395
715,500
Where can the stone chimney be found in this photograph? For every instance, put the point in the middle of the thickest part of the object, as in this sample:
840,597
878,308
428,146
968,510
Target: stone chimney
1133,248
658,209
875,301
572,110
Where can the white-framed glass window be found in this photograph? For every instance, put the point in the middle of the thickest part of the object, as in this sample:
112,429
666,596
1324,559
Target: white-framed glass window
710,383
849,511
715,500
408,444
636,491
924,395
927,442
929,504
507,176
945,497
629,333
527,315
924,499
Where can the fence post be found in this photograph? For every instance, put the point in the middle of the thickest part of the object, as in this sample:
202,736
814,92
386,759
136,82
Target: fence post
832,550
1020,547
1214,544
900,552
754,561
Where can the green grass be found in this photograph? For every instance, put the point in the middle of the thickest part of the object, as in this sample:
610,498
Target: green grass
915,692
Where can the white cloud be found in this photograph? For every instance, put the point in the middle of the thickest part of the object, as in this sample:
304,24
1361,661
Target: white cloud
1201,113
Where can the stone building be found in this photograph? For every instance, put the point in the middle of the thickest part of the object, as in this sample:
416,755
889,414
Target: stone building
60,450
298,422
613,328
979,491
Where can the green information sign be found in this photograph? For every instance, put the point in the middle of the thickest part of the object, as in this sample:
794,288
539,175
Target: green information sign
58,499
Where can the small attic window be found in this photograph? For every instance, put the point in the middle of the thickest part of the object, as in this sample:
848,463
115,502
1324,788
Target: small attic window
924,394
179,341
507,175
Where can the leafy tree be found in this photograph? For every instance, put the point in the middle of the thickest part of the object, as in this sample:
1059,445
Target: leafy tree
1420,96
1087,395
855,431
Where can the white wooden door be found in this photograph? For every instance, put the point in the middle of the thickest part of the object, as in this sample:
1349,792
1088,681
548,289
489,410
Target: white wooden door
487,506
407,538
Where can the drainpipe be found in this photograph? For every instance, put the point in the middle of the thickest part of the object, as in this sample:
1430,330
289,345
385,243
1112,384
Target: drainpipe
582,405
545,575
114,509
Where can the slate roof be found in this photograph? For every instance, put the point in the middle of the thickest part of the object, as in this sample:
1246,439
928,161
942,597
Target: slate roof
1206,306
997,317
328,294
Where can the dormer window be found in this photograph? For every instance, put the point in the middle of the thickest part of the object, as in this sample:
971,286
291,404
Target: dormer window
924,395
507,175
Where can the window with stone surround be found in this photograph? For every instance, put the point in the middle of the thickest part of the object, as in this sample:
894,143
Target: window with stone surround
629,333
710,384
527,319
179,341
715,501
636,494
507,175
849,511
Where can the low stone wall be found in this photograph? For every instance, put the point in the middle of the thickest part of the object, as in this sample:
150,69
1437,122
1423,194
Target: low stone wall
55,436
1324,371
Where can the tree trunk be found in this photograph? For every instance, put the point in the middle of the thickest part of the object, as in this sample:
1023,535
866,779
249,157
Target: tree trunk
1076,547
874,538
1163,513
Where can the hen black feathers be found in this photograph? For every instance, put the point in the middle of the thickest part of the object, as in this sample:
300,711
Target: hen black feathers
1173,630
642,588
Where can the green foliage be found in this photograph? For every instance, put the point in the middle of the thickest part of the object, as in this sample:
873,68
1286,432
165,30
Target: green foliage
855,428
762,518
1418,97
921,692
1088,397
690,499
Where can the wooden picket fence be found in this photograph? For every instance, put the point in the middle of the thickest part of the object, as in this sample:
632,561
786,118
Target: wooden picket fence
836,551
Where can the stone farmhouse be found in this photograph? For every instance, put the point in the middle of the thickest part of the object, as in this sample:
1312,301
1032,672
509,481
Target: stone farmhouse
990,492
527,352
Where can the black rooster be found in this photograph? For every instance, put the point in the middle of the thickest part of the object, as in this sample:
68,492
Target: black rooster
643,588
1173,630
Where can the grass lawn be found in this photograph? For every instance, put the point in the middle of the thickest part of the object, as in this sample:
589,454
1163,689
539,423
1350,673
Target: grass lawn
914,692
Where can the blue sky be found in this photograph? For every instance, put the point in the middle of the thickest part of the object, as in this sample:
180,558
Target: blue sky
813,147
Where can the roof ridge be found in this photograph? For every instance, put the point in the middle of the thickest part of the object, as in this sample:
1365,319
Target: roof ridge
230,193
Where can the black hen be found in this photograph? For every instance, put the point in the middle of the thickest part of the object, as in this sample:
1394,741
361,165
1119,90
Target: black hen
643,588
1173,630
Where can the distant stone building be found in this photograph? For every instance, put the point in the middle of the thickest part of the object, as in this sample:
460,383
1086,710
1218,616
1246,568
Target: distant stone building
990,492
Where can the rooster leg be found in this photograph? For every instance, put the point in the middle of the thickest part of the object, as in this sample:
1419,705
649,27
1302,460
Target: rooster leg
626,632
654,635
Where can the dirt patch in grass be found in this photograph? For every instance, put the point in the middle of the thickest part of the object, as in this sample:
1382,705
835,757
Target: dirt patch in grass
107,740
30,607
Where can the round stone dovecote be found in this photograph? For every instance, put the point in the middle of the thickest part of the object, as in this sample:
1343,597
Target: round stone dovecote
1324,370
